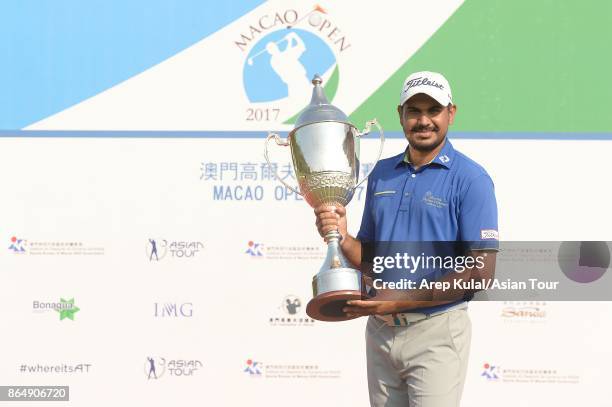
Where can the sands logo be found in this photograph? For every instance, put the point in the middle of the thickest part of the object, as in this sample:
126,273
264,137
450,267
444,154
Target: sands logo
532,311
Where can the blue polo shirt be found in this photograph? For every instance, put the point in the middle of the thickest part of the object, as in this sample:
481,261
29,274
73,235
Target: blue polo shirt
450,199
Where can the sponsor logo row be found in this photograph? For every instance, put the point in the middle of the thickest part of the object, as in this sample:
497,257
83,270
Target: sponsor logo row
160,367
159,249
290,311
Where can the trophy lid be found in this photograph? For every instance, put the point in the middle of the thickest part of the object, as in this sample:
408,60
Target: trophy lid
319,109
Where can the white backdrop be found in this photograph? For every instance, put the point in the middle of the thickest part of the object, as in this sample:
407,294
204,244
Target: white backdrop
84,209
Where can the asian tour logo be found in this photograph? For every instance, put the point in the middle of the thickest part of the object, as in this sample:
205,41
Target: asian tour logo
155,367
157,248
284,50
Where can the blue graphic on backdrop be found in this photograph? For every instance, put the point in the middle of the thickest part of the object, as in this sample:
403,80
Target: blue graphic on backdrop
282,64
59,53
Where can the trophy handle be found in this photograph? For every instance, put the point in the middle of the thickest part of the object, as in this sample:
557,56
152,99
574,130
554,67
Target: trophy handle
283,143
365,132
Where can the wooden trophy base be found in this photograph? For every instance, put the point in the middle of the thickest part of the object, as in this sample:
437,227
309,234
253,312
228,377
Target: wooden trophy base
328,306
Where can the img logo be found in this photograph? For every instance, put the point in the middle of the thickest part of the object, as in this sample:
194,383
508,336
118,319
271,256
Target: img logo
173,310
284,49
17,245
490,372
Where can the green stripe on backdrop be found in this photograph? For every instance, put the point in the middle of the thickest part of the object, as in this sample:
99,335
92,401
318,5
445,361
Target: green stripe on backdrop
515,65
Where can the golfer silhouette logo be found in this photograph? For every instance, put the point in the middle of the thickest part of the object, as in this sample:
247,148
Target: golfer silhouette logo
156,249
288,67
155,367
291,304
279,65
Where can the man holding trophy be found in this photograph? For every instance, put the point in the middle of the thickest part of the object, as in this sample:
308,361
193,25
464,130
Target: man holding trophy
417,340
418,348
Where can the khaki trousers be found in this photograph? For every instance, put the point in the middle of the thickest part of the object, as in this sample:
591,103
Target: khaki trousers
420,365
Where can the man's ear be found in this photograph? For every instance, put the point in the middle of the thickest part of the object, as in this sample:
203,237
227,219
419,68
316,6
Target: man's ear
399,111
452,109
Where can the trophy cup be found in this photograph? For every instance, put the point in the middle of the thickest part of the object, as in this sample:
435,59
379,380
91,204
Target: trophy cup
325,152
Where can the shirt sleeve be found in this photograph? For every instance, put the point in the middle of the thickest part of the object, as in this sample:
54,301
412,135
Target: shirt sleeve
478,215
366,231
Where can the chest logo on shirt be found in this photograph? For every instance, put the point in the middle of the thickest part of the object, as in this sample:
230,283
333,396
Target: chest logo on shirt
380,193
437,202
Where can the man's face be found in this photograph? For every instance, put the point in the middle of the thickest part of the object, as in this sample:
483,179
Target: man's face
425,121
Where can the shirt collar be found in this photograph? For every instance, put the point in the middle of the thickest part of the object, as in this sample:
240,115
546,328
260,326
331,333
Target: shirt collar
444,158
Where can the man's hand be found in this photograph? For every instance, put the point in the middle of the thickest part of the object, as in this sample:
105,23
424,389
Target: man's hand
375,306
361,308
331,218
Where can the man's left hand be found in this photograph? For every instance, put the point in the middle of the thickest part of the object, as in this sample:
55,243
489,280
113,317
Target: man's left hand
361,308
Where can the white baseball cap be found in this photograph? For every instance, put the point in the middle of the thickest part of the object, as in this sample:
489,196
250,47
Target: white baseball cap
429,83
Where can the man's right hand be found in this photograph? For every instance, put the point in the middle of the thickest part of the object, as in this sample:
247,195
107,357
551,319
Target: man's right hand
331,218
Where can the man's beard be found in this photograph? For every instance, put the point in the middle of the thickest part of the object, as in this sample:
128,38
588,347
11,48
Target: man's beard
426,147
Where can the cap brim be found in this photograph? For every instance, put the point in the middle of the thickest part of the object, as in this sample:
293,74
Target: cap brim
441,99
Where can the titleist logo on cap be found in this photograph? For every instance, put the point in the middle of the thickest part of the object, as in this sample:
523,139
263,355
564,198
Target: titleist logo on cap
422,81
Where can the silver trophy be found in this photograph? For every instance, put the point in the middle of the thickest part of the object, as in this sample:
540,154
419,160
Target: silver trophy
325,153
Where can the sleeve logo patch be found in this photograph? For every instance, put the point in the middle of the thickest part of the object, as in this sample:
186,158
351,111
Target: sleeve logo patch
489,234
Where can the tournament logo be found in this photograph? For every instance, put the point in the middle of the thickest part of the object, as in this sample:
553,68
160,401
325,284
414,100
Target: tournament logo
284,49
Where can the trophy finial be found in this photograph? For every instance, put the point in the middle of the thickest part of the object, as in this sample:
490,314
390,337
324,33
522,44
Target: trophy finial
319,109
